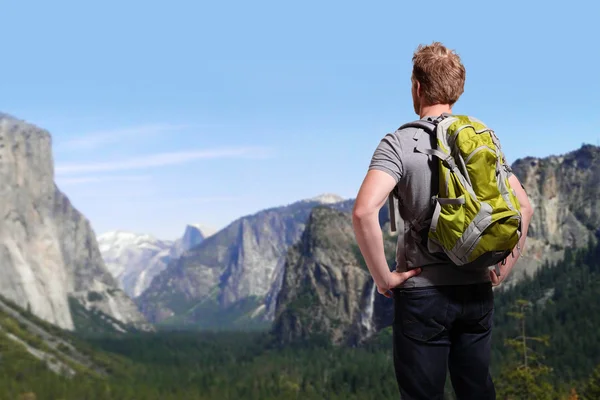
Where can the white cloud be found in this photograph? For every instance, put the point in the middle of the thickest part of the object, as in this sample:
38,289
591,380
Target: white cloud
94,140
96,179
162,159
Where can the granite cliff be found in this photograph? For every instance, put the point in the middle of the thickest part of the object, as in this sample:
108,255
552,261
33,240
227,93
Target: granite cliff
48,251
323,271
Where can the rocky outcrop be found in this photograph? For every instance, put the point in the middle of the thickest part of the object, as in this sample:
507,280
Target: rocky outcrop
565,192
242,261
325,291
48,251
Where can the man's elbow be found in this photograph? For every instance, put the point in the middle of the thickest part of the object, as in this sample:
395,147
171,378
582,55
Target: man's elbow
358,214
361,213
527,211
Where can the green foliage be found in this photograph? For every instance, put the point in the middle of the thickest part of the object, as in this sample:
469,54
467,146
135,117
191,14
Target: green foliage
209,315
220,365
524,384
526,377
592,388
563,302
558,316
93,322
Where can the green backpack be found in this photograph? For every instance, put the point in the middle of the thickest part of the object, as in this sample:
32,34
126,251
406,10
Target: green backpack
476,218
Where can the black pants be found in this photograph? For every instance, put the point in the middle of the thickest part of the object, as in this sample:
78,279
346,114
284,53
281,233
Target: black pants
443,328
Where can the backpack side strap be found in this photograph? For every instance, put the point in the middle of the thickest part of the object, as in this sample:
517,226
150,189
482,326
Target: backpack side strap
392,211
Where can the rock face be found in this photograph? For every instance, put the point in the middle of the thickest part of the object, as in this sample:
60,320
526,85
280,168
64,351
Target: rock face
325,289
242,261
48,251
194,235
565,191
135,259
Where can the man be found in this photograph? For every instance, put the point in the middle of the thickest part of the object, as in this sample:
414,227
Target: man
442,315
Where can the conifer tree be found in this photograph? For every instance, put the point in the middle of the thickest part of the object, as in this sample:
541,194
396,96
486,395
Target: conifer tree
525,377
592,390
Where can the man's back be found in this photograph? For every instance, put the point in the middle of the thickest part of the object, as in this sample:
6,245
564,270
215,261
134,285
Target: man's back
417,176
443,315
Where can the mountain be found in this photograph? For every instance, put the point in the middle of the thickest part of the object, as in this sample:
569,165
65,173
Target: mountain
194,235
233,276
564,190
135,259
325,290
237,275
49,256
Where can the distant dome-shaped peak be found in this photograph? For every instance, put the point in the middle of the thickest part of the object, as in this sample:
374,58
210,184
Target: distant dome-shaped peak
327,198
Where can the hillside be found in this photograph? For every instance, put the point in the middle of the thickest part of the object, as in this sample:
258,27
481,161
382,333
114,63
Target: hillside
564,304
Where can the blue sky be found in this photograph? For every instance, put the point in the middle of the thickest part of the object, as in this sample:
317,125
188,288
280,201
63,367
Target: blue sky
181,112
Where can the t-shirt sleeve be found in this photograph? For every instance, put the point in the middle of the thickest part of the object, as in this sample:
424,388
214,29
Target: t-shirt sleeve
387,158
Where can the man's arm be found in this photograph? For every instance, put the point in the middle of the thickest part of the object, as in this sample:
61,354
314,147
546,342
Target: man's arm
526,214
372,195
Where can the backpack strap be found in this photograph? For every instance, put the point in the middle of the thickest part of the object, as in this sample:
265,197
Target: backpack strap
446,158
421,124
427,126
392,211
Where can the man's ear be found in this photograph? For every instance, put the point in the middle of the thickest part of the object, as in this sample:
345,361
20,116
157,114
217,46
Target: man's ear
419,93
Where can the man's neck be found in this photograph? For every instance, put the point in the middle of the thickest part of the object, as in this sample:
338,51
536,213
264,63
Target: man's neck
435,110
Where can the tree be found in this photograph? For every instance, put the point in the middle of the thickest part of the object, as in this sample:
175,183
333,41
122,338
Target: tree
592,390
525,377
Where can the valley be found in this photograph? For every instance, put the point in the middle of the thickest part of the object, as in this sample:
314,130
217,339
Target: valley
277,304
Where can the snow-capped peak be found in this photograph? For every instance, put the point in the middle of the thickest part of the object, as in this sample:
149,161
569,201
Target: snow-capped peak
135,259
120,238
327,198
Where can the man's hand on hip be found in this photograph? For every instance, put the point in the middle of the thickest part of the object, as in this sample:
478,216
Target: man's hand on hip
396,279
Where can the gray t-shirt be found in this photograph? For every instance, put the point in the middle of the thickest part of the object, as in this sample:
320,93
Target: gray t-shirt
417,179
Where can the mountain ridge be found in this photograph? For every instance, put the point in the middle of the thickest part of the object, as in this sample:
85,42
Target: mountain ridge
134,259
243,260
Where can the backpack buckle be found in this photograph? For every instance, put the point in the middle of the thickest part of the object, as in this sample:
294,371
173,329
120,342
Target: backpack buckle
449,163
